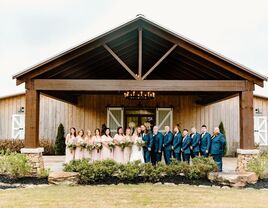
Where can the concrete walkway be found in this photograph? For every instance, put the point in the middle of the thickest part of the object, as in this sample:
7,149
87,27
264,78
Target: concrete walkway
55,163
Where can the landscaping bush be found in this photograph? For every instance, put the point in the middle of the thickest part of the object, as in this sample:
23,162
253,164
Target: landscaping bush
14,145
259,165
108,171
60,141
13,164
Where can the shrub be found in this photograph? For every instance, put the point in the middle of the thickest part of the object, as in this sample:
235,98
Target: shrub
60,141
222,130
14,164
259,165
14,145
107,170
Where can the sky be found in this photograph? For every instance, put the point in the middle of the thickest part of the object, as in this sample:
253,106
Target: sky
32,31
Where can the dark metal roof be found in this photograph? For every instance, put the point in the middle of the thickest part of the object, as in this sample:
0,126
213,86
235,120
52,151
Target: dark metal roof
91,60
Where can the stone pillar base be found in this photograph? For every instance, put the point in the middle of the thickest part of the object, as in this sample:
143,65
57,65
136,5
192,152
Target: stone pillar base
35,159
243,157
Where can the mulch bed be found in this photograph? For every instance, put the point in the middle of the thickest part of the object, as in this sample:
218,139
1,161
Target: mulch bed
11,182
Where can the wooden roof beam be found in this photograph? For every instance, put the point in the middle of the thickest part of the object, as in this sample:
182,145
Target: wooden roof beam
159,61
152,85
120,61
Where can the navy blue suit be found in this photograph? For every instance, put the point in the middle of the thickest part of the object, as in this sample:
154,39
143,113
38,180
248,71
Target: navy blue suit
157,147
147,138
205,144
167,144
195,142
177,142
216,149
186,152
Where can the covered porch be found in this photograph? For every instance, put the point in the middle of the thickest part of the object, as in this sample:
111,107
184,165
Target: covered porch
140,56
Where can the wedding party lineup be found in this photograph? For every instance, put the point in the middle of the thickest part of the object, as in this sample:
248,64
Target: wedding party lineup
145,145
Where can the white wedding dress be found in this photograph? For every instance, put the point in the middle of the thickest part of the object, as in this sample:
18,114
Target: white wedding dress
136,151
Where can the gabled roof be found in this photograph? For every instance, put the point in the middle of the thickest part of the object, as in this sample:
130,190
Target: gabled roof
189,60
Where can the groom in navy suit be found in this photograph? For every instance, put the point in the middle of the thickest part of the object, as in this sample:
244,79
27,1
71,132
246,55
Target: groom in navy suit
167,145
157,146
195,142
177,140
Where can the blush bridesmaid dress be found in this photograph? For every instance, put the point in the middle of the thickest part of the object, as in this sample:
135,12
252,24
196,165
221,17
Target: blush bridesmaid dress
106,153
118,152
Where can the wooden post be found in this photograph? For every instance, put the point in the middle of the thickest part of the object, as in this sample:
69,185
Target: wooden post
246,120
32,118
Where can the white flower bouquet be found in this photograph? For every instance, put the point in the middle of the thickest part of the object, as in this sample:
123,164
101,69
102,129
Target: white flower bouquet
82,145
111,145
90,147
122,145
71,146
98,146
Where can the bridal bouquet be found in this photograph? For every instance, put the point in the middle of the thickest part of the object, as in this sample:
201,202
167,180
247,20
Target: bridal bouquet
90,147
98,146
111,145
140,144
71,146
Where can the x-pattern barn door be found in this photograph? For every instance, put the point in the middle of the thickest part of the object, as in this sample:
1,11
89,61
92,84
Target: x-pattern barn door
18,126
260,130
164,117
115,118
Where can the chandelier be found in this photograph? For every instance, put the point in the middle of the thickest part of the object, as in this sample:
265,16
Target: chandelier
139,95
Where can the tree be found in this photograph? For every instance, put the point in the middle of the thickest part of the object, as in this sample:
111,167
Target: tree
222,130
60,141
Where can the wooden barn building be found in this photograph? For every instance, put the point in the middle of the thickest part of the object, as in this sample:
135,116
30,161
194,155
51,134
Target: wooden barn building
138,72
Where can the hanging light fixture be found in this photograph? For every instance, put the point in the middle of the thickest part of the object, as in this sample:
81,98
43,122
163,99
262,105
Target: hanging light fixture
139,95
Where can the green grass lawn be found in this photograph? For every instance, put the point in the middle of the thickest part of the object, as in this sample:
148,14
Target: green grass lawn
129,196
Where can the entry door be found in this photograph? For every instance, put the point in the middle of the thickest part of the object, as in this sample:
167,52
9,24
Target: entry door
115,117
260,130
18,126
164,117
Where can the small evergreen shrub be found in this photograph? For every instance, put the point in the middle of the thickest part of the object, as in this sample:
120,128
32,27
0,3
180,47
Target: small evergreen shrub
222,130
107,170
60,141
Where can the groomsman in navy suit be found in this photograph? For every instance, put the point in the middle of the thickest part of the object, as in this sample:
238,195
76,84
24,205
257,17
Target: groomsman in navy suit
167,144
195,142
186,142
147,138
216,148
177,142
205,141
156,146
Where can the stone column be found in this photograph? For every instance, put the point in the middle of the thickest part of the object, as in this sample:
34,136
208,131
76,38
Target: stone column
243,157
35,159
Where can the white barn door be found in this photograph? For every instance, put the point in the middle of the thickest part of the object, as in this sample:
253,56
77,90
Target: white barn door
164,117
18,126
260,130
115,118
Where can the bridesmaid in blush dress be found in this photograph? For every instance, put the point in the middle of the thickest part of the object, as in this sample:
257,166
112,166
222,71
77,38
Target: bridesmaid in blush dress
118,152
79,151
127,150
70,139
106,152
89,141
96,154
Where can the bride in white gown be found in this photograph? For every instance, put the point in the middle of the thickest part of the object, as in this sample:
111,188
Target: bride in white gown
136,151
